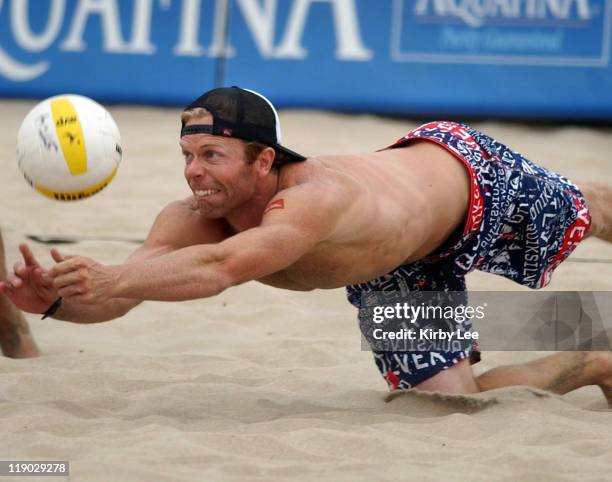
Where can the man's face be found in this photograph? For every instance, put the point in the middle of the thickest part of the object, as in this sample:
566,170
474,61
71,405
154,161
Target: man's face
217,171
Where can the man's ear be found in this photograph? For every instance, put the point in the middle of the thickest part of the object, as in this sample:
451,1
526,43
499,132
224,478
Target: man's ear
264,161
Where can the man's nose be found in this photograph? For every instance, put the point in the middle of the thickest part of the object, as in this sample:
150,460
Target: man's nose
195,169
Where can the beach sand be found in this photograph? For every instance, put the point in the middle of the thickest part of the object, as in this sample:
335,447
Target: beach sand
264,384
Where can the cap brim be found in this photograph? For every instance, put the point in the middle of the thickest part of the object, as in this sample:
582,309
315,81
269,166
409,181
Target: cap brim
289,153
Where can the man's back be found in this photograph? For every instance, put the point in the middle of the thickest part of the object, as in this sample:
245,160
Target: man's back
403,204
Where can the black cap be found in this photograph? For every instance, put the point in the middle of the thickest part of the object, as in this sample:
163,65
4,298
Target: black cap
243,114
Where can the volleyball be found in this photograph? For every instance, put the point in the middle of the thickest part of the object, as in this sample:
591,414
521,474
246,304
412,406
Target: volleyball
68,147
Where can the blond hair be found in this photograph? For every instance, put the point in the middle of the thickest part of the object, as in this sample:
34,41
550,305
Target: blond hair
195,113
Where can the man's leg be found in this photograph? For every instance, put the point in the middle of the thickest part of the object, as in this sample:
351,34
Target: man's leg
16,340
598,198
559,373
457,379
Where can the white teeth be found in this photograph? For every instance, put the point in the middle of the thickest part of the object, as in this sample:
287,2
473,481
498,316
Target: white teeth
206,192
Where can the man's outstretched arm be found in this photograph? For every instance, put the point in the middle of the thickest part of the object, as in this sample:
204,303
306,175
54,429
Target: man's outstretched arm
31,288
207,269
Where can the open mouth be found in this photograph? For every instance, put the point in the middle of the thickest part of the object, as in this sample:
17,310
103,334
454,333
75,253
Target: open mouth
205,192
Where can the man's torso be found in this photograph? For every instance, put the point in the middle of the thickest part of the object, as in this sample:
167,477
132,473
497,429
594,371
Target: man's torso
403,204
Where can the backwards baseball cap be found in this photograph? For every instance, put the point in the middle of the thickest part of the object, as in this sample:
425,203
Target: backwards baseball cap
242,114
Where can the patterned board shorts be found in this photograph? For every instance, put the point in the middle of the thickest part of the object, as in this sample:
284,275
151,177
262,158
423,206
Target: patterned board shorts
523,221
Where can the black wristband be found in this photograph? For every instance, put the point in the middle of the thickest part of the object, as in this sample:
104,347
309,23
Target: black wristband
53,308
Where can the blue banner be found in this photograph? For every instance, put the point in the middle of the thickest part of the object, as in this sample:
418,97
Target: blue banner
495,58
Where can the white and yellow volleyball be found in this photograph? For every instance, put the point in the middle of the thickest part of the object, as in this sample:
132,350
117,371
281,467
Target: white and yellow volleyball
68,147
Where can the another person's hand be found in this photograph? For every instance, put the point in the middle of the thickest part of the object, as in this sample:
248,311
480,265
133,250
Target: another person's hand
29,287
81,279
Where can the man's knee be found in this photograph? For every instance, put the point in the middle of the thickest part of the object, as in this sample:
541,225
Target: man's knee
457,379
594,197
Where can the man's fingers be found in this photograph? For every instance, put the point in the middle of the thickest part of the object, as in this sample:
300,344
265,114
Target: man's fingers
55,254
43,278
68,279
20,269
59,257
66,264
14,281
28,257
64,267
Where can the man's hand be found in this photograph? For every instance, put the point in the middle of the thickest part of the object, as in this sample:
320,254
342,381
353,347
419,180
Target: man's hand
29,287
81,279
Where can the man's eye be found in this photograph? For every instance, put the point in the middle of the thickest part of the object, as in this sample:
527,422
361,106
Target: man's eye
188,157
212,155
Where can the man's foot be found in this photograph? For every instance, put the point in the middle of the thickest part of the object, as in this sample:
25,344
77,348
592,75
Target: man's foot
16,340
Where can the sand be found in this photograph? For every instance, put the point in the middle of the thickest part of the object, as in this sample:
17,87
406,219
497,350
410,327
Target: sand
263,384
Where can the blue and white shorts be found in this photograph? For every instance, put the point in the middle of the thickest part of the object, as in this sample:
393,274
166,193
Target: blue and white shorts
523,221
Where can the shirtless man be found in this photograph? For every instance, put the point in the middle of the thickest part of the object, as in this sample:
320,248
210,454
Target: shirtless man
15,338
418,216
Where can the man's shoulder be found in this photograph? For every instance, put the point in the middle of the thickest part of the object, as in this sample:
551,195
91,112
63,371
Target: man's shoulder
316,195
187,205
185,209
320,172
295,173
182,219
